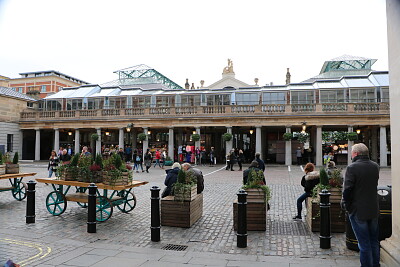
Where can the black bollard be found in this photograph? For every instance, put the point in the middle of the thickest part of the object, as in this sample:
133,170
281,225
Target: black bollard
30,202
91,223
155,214
242,219
325,226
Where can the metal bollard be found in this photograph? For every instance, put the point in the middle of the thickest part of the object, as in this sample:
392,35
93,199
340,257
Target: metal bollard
30,202
155,214
242,219
325,226
91,223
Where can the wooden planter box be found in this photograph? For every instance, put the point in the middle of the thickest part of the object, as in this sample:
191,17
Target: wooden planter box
12,168
335,197
256,211
123,180
2,169
181,214
187,195
69,174
313,216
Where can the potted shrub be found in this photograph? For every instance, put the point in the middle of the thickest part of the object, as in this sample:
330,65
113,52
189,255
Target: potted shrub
2,165
142,136
69,171
255,183
13,167
352,136
287,136
227,136
185,189
195,137
84,163
116,172
168,161
94,137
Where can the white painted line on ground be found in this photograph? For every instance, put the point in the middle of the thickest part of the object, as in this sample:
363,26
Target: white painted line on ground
301,168
288,167
214,171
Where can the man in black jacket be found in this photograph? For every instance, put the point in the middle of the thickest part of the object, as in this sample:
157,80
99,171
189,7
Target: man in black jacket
360,199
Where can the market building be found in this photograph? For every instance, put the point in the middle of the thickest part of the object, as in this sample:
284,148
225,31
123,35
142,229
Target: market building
346,96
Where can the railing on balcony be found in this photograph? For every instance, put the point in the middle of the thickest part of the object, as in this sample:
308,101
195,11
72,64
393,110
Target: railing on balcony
209,111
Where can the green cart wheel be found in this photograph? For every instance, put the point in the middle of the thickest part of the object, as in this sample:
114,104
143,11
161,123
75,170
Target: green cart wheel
104,209
19,192
128,201
56,203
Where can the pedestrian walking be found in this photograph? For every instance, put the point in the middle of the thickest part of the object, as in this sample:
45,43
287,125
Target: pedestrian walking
203,157
299,155
53,163
148,158
158,158
232,158
212,157
360,199
137,161
308,181
240,159
228,161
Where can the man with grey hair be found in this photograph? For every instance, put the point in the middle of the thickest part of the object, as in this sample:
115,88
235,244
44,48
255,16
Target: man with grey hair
360,199
197,173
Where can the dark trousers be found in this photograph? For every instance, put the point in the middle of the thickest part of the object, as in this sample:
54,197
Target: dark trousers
299,161
232,163
240,165
300,203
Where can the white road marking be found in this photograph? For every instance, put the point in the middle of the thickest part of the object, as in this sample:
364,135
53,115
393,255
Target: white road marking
288,168
301,167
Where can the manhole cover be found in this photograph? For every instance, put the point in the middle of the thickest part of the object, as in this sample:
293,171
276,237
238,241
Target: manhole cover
174,247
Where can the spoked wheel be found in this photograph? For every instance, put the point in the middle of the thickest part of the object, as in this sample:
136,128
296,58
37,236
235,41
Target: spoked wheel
128,201
104,209
19,192
56,203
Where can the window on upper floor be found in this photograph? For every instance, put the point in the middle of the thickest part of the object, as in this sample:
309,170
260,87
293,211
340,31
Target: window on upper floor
363,95
247,98
385,94
20,90
43,88
302,97
332,96
274,98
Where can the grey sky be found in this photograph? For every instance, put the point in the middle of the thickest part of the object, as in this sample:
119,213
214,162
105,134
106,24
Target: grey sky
189,39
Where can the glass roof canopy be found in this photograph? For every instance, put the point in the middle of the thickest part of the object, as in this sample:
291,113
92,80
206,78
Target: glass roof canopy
347,62
143,74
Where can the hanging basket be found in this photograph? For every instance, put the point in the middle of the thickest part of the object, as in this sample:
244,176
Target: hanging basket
227,136
287,136
142,137
352,136
94,137
195,137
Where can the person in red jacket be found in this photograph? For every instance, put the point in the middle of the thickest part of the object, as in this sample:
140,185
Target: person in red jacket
158,157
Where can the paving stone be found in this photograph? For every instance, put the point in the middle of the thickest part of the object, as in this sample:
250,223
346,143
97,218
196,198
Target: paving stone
104,252
85,260
120,262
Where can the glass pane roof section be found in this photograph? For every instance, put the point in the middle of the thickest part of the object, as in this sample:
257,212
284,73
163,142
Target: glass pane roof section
347,62
142,74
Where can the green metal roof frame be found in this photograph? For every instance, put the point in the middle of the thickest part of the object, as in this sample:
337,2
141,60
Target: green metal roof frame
347,65
143,74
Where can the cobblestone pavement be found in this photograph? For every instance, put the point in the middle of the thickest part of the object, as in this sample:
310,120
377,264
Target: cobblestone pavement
52,237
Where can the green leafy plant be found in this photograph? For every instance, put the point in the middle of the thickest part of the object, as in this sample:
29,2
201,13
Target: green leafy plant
1,158
227,136
287,136
318,188
16,158
94,137
99,160
255,180
75,160
6,158
335,178
195,137
181,177
142,136
302,137
323,177
184,184
352,136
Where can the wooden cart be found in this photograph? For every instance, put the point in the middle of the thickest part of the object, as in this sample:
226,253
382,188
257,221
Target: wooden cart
17,188
120,196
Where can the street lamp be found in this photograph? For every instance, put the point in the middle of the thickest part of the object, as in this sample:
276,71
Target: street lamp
358,131
129,127
303,127
69,133
251,131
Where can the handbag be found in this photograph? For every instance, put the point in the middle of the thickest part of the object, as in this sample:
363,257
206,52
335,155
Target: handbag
137,158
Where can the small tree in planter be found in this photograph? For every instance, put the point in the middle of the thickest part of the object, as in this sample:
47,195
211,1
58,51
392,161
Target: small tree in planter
256,181
352,136
13,167
84,164
287,136
117,173
185,189
227,137
195,137
142,136
69,171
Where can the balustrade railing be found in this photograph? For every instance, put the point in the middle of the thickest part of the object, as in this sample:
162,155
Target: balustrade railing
349,108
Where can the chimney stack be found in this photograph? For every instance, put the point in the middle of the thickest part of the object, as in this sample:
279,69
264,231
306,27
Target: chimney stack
187,84
288,76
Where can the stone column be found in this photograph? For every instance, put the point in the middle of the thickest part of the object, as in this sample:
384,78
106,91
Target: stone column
288,149
171,143
121,138
374,144
258,140
350,145
318,147
383,147
228,144
56,139
198,143
37,145
77,141
145,142
134,138
98,142
390,247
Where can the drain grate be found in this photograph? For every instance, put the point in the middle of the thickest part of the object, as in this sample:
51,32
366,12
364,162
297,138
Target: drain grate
174,247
